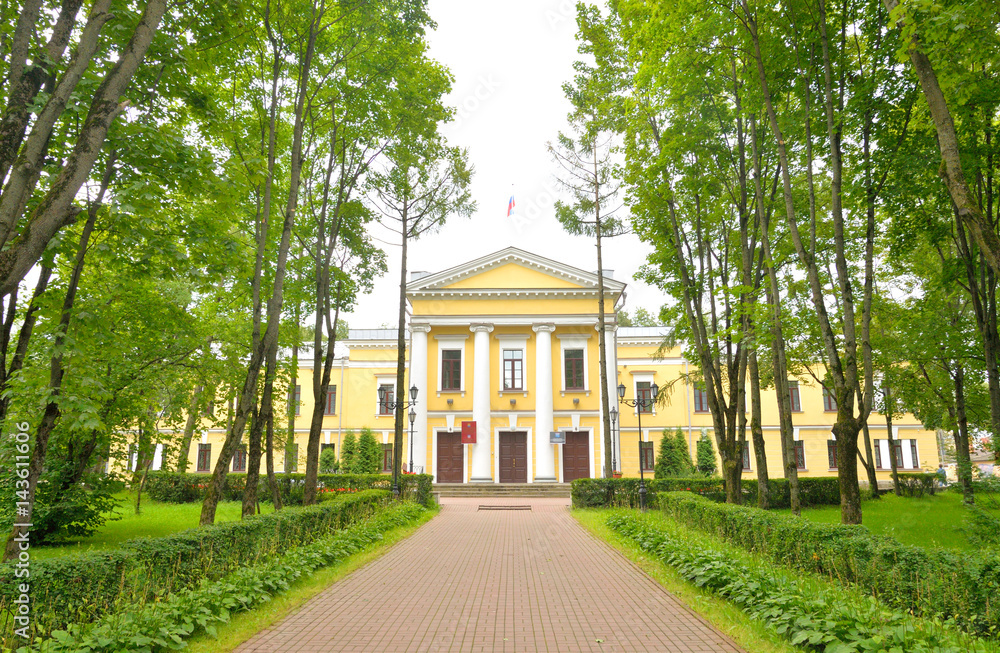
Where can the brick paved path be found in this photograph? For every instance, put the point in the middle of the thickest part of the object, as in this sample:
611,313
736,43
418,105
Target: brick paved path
507,581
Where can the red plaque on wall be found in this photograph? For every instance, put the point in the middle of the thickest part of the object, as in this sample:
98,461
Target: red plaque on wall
468,432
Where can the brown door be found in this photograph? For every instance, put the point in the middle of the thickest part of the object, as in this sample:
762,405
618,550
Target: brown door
576,456
449,458
513,457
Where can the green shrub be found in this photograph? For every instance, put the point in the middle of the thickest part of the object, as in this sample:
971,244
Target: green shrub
918,484
928,582
673,458
328,463
171,487
825,619
981,528
82,587
603,492
369,459
349,454
706,455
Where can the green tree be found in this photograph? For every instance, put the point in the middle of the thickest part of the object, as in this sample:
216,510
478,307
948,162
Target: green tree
706,455
349,453
328,463
369,458
673,458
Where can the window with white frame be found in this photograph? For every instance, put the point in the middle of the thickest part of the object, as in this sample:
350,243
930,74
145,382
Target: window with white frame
575,366
513,362
451,362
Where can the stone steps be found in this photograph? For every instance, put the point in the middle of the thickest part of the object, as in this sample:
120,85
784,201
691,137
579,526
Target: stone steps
479,490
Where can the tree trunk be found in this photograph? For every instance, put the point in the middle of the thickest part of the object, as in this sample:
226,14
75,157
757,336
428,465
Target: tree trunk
601,334
272,482
893,463
55,210
757,433
194,409
268,346
778,357
397,440
962,437
954,177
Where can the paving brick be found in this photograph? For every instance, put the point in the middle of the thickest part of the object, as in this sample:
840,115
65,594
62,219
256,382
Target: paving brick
495,581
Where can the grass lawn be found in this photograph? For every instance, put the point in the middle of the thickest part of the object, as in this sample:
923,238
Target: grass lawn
750,634
936,520
156,520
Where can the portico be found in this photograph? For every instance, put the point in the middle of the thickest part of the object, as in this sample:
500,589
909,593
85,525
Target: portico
508,341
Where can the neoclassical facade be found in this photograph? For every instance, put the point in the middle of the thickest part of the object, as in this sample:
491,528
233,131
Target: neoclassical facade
509,341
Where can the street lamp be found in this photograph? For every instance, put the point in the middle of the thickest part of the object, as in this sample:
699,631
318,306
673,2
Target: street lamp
397,442
640,403
614,420
413,418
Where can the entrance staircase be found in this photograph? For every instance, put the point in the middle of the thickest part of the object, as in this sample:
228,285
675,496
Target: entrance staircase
513,490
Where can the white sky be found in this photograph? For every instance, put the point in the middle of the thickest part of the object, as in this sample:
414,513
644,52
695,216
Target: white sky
510,60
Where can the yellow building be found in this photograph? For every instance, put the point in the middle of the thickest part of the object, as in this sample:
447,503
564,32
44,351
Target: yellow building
510,342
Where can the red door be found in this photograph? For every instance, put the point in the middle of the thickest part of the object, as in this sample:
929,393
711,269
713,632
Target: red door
449,458
576,456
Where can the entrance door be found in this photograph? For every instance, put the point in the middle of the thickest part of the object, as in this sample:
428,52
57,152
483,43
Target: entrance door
513,457
450,459
576,456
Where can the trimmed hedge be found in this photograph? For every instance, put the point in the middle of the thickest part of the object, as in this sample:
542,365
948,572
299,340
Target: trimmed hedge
82,587
929,582
829,619
166,624
172,487
620,492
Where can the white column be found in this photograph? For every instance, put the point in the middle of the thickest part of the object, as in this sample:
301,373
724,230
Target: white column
545,464
611,345
418,377
481,404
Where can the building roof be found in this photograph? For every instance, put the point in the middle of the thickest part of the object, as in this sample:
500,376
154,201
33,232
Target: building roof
429,283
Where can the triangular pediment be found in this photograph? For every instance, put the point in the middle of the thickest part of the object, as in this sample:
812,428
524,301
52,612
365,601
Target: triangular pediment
512,269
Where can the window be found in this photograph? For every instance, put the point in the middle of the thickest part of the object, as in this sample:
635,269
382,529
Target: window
800,455
646,450
573,359
914,461
829,401
209,409
451,370
386,457
297,398
645,397
700,400
831,453
385,407
513,369
240,460
746,456
793,396
204,457
899,454
331,400
324,447
878,455
291,458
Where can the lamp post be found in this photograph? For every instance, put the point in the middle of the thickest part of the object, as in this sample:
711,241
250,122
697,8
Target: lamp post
614,419
390,404
640,404
413,418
